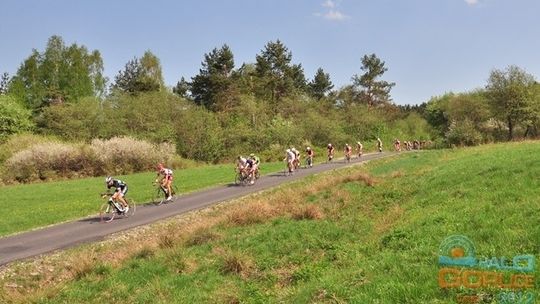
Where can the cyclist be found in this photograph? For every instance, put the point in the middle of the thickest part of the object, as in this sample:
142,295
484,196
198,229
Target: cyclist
256,162
250,169
347,151
166,179
397,145
359,148
310,154
121,189
379,144
241,164
296,162
289,157
330,149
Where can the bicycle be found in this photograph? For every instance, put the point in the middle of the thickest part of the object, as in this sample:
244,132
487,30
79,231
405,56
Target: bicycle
242,178
112,208
160,194
309,161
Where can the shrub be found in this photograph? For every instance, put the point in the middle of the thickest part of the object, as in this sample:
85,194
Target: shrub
463,133
123,155
120,155
14,118
44,161
19,142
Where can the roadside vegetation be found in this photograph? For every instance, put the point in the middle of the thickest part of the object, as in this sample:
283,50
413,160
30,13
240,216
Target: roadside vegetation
366,234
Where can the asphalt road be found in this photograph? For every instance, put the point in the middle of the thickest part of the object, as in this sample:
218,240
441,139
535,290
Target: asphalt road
37,242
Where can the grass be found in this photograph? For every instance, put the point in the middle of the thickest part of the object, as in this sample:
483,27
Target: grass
36,205
368,234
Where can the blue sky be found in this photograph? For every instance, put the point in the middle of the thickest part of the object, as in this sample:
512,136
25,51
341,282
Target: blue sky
430,46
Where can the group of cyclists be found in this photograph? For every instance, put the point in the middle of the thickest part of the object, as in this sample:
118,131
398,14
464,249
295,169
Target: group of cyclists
248,167
408,145
164,178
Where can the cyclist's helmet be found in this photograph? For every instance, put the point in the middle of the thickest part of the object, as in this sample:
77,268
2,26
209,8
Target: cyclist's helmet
252,155
308,148
288,150
329,146
358,143
108,180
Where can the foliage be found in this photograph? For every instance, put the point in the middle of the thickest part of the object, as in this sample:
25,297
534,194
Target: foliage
369,90
214,78
14,118
511,93
140,75
320,85
60,74
51,160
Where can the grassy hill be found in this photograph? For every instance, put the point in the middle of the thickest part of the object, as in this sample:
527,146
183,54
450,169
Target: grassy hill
368,234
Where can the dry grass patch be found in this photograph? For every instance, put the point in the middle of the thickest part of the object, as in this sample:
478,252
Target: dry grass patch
237,264
307,212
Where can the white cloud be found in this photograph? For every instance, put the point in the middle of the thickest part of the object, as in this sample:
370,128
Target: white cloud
329,4
472,2
332,13
335,15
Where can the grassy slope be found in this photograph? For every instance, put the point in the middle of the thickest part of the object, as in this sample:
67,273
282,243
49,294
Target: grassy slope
374,244
37,205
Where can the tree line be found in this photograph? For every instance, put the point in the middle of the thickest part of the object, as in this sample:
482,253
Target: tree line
261,106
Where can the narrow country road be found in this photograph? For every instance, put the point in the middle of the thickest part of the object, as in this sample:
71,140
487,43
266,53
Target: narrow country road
33,243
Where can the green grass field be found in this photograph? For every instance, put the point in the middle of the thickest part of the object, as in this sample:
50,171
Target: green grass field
370,244
36,205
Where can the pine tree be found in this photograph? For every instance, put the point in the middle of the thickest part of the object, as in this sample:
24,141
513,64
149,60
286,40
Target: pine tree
369,90
321,84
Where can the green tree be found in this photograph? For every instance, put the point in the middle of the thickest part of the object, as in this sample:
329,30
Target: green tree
511,95
369,89
214,80
321,84
14,118
4,82
277,76
59,74
140,75
181,88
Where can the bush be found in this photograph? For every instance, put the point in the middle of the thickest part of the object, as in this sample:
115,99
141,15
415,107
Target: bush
123,155
51,160
14,118
19,142
463,133
44,161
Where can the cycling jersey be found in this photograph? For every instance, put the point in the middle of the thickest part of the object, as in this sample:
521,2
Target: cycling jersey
309,152
119,185
250,163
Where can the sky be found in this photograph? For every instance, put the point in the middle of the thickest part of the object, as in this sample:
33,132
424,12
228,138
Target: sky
430,47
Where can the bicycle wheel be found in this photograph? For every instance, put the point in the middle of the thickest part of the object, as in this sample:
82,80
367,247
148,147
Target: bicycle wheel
159,196
238,178
107,213
131,210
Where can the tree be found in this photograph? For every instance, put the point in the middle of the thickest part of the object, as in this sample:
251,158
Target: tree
59,74
510,93
181,88
369,90
140,75
4,82
214,78
277,76
321,84
14,118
